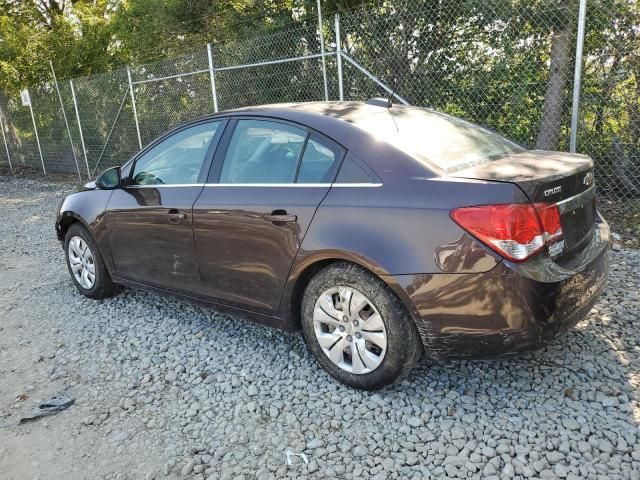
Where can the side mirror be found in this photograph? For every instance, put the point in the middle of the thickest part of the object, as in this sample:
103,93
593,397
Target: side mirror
109,179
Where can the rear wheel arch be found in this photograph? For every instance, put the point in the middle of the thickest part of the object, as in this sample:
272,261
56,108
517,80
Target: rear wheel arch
300,286
312,268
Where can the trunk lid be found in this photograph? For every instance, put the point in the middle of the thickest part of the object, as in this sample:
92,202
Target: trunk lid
549,177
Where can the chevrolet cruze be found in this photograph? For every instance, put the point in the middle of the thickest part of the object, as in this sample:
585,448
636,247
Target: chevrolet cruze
382,232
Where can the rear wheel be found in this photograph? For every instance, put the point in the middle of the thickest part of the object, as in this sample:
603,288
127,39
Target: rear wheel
357,328
85,264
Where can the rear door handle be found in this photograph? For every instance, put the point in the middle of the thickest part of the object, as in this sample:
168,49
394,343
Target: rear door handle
175,216
280,217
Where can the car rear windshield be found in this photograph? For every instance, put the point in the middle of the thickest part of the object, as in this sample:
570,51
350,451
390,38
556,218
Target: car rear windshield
441,140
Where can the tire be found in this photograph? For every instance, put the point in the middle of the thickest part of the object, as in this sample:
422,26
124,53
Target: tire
102,286
392,328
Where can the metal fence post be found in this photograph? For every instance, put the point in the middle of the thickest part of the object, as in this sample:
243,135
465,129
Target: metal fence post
339,57
64,115
213,78
35,130
577,76
135,110
75,106
6,145
324,62
374,78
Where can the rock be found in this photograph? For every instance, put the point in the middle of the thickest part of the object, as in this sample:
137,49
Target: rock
454,460
414,422
314,444
188,467
488,452
489,469
570,423
119,437
89,420
360,451
388,464
605,445
554,457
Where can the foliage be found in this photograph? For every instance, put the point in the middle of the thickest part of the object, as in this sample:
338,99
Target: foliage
485,61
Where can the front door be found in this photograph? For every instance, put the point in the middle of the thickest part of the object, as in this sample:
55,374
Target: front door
150,219
251,217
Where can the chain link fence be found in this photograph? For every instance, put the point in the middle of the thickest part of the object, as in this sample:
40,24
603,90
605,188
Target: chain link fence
504,64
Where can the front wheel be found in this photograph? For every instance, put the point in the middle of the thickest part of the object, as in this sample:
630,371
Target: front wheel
357,328
85,264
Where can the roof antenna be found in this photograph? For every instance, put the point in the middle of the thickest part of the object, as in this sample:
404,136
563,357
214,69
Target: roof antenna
390,102
392,93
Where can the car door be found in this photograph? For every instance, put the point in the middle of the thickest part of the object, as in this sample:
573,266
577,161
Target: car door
149,220
266,183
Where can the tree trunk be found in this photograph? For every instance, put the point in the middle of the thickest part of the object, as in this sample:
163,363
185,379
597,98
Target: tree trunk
10,131
633,109
554,98
605,95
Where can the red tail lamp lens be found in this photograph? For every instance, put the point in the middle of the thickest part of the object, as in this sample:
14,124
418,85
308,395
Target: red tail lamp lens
515,231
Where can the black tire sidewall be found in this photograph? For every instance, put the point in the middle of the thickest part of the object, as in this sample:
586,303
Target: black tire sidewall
403,344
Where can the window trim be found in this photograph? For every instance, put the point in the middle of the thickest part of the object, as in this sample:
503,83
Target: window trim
297,185
206,163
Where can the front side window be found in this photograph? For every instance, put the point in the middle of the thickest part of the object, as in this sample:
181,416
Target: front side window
263,151
177,159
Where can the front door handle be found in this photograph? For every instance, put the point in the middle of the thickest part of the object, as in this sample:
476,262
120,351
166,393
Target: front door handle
281,217
175,216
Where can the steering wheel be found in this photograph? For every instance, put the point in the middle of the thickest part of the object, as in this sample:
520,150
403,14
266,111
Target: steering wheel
146,178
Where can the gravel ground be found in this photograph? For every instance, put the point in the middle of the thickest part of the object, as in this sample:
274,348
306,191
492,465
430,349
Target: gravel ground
165,389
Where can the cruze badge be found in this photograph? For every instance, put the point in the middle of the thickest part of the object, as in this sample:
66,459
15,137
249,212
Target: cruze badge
553,191
588,179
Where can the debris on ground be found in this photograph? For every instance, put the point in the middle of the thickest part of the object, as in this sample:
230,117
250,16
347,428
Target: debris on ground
291,454
57,403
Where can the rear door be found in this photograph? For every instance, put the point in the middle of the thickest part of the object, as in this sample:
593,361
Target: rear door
149,220
267,181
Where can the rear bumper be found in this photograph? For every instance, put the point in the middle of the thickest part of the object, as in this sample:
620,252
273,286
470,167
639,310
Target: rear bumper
510,309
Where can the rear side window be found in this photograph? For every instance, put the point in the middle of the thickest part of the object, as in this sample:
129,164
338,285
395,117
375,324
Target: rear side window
319,161
263,151
352,171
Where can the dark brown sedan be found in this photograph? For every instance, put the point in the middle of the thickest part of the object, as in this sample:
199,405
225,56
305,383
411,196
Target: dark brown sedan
381,233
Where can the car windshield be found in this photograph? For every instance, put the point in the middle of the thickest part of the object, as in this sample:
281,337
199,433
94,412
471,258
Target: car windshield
440,140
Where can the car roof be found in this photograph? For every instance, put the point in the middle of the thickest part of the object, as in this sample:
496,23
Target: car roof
346,111
343,122
324,115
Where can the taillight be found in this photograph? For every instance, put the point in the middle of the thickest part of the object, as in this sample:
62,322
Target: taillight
515,231
550,220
